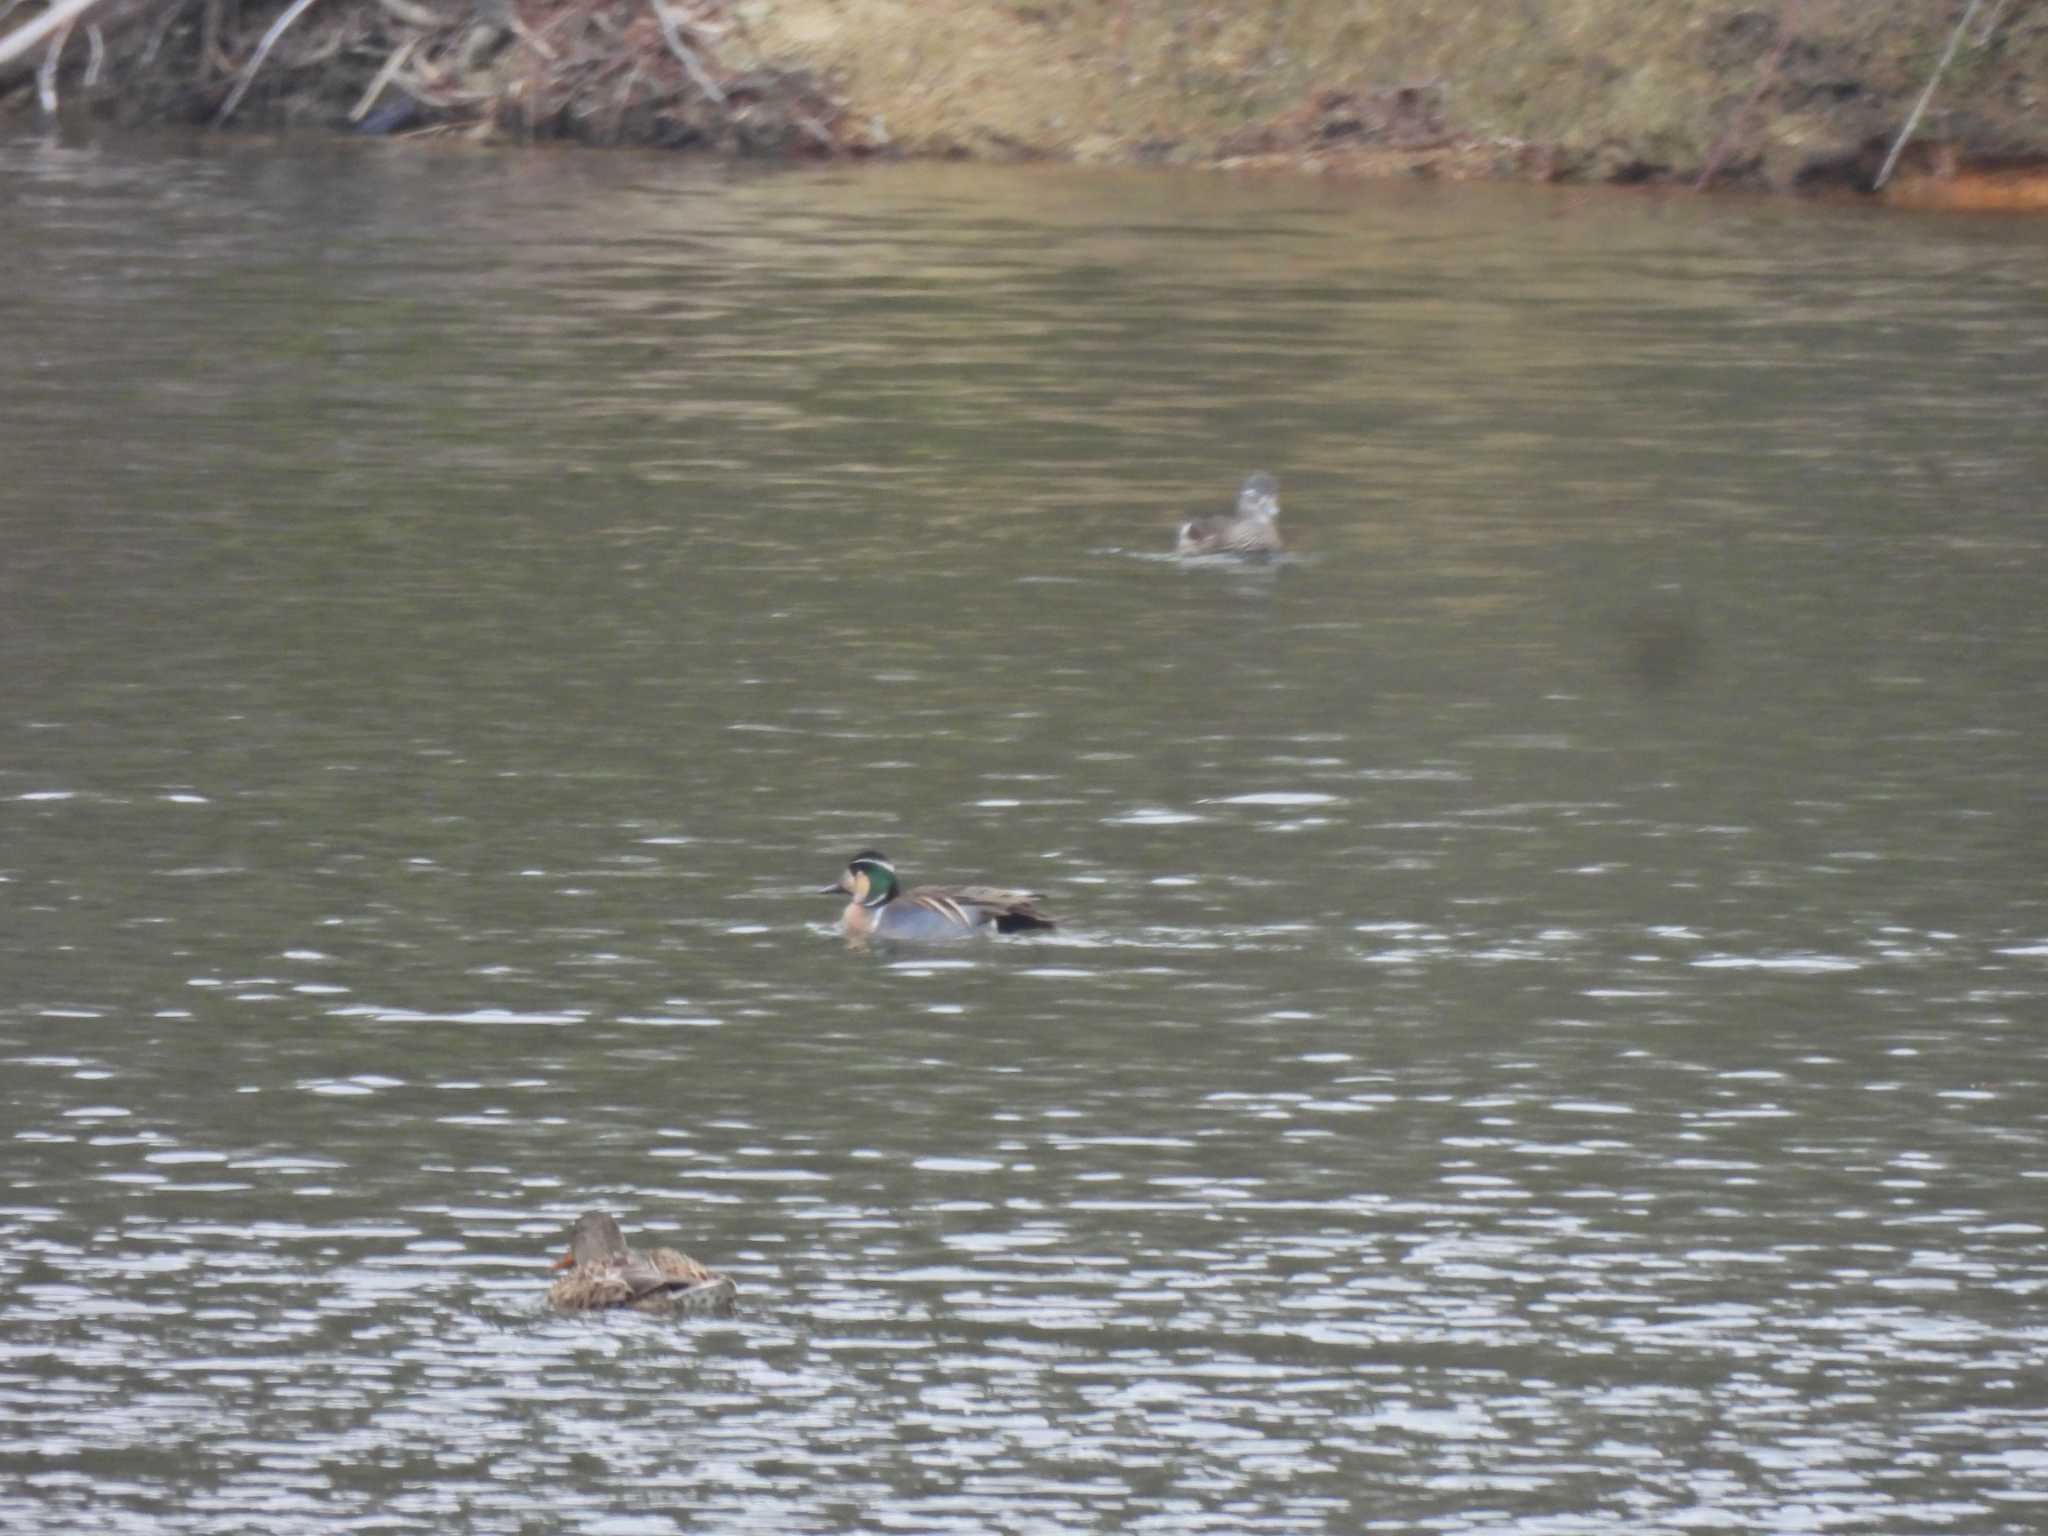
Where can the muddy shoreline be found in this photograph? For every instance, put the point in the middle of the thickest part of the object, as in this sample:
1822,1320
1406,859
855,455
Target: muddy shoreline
1804,96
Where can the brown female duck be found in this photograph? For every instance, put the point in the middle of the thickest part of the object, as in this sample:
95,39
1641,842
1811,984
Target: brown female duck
602,1272
1249,529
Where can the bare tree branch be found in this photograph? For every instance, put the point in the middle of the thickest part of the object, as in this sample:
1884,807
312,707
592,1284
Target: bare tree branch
297,9
1955,38
24,37
46,72
385,76
424,17
1719,153
692,65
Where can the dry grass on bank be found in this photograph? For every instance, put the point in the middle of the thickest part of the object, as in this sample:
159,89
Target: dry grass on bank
682,73
1596,88
1603,81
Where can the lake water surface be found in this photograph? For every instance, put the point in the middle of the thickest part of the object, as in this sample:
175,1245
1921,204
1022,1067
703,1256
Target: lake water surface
1551,1033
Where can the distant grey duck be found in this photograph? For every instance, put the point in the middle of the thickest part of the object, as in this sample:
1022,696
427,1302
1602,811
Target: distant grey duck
1250,529
882,909
600,1271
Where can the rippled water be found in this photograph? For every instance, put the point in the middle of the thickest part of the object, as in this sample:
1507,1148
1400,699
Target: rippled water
1549,1036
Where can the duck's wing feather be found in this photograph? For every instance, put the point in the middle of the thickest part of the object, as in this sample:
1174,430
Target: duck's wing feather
1009,910
689,1286
661,1281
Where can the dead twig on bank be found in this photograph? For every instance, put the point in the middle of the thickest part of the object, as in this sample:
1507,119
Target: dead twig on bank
209,39
622,101
1955,39
159,32
1716,156
58,18
426,19
383,77
654,71
819,134
278,27
46,72
527,35
692,66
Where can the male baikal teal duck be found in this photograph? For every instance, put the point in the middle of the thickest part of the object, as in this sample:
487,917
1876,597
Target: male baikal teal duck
882,909
1250,529
601,1272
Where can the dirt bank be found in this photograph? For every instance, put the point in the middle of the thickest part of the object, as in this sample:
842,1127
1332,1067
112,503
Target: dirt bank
1784,93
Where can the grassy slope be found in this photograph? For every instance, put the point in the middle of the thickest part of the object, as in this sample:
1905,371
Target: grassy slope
1648,80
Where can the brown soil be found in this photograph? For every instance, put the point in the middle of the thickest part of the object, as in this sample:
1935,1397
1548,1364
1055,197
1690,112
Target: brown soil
1805,94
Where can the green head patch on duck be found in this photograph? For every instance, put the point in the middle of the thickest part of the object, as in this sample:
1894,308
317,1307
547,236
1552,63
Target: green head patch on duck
871,878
